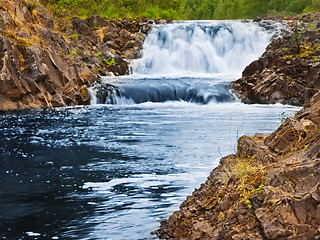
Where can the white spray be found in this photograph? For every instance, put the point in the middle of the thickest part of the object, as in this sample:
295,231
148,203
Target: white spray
201,47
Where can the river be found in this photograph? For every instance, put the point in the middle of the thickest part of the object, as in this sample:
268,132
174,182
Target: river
116,168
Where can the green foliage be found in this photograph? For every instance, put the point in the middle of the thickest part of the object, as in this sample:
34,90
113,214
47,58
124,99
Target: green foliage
234,9
298,37
221,216
297,30
248,177
24,42
297,6
105,61
3,8
119,8
11,35
32,5
73,51
18,39
182,9
246,199
256,190
75,36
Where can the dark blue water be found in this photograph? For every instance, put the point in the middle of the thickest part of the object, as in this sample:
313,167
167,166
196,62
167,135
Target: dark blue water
113,172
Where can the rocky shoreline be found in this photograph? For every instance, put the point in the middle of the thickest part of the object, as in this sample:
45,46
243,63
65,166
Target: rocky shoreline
50,62
269,189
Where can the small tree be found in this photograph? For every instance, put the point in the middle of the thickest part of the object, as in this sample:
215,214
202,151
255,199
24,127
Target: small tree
297,28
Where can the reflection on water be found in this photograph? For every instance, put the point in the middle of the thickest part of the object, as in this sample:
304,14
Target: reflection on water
113,172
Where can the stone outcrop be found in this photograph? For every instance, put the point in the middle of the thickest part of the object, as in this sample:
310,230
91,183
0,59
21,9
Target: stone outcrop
48,62
270,189
288,72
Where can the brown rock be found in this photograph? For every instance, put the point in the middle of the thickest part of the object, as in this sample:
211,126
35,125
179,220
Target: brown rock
285,138
255,67
96,21
41,16
6,20
33,69
80,26
6,104
281,75
19,10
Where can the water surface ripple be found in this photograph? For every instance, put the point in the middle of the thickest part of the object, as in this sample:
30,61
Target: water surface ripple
113,171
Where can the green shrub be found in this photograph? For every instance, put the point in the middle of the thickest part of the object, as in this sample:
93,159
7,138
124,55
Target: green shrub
32,5
75,36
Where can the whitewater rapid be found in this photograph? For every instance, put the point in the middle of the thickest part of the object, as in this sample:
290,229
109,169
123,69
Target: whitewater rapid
201,47
191,61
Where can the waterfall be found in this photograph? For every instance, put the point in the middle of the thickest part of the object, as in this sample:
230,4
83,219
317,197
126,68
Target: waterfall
191,61
201,47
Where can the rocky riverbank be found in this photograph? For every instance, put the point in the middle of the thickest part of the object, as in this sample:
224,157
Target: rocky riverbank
269,189
288,71
50,62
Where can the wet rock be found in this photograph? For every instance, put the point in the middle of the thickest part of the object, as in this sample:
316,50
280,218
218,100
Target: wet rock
105,93
6,104
255,66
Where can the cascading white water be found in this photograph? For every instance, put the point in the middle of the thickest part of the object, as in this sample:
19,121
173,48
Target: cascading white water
201,47
192,61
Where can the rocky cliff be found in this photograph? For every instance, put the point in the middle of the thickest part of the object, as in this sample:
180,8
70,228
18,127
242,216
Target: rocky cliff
288,72
269,189
48,62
